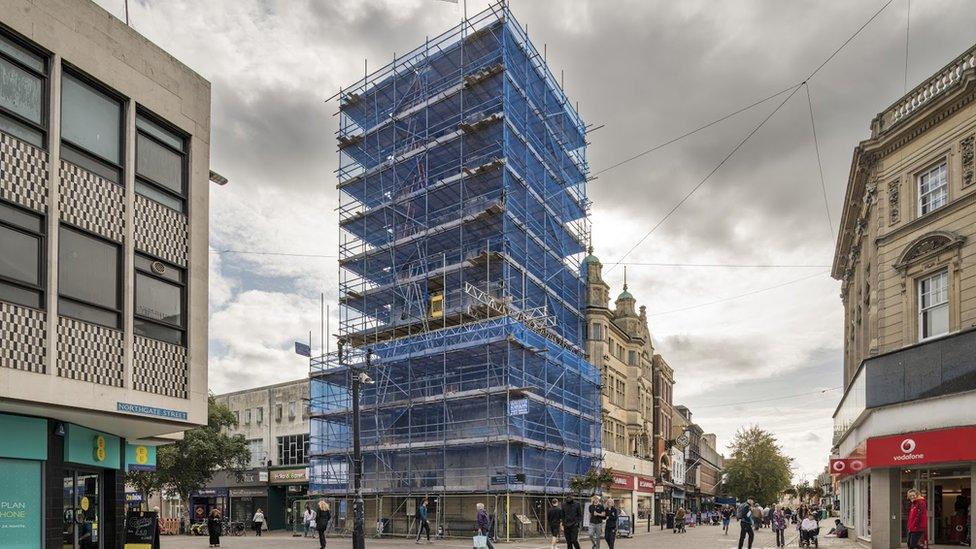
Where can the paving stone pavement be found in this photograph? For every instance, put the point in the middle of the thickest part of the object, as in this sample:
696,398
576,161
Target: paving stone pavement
703,537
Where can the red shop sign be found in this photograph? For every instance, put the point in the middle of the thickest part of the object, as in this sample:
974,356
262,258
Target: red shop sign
942,446
622,481
645,484
846,467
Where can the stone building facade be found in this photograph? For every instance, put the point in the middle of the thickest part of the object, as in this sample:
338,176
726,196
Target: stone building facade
906,259
619,344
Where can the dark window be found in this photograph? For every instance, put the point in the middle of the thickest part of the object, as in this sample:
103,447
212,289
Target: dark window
23,86
21,256
88,278
161,169
91,126
160,310
293,449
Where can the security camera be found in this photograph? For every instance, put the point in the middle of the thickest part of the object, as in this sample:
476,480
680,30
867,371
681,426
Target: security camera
365,379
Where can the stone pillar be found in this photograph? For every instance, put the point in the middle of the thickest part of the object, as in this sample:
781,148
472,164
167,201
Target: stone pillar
885,508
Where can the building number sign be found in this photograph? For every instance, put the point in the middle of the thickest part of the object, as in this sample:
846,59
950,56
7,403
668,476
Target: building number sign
100,448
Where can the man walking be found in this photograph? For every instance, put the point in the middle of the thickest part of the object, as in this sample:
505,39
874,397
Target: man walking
744,514
554,518
597,513
918,520
572,516
422,524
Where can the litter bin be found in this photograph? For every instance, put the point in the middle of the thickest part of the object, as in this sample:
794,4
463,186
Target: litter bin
670,521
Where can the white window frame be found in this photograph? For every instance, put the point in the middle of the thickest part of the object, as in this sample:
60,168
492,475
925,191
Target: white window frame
939,194
943,290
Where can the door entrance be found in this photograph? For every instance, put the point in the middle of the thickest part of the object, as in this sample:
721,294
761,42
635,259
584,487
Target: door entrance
949,496
950,509
82,510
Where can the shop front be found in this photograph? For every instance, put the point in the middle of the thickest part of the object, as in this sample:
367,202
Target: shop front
203,501
68,473
288,495
622,491
875,480
644,491
634,495
244,502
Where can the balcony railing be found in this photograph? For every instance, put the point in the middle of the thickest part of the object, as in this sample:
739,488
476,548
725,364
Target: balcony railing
930,369
947,78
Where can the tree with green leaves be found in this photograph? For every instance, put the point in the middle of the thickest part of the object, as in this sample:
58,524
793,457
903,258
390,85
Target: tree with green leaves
593,480
188,465
146,483
757,466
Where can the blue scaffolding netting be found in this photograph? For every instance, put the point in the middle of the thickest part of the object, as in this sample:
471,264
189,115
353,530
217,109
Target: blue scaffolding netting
463,216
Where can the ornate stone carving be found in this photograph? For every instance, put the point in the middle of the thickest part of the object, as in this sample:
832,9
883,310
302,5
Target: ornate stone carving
894,201
967,149
928,245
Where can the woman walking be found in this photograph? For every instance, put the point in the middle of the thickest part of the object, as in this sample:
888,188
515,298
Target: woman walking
258,521
610,524
778,522
213,527
484,524
308,520
322,519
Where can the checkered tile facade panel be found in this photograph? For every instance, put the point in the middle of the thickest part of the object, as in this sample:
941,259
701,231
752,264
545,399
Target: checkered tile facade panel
89,352
23,338
92,203
159,368
24,173
160,231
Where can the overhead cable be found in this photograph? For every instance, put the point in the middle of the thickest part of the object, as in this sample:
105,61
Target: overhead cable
751,133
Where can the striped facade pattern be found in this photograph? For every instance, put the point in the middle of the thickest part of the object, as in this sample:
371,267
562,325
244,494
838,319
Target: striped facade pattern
89,352
23,338
160,368
160,231
91,203
24,174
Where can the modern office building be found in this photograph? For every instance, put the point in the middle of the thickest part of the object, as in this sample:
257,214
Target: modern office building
906,259
618,342
104,164
463,217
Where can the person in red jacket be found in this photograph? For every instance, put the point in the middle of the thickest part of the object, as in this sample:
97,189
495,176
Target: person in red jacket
918,521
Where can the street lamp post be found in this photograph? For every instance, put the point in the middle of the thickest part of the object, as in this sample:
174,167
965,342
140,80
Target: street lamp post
359,513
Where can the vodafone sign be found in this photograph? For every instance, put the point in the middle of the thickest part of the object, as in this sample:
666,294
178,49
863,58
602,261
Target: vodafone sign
942,446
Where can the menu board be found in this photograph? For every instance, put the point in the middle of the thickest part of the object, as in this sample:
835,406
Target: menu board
140,529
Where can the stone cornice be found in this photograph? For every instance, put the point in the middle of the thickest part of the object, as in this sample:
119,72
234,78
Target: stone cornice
928,219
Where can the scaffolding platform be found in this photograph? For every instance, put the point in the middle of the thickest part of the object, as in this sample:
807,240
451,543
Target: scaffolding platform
463,218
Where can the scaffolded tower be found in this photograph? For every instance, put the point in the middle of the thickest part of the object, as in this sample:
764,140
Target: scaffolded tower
463,215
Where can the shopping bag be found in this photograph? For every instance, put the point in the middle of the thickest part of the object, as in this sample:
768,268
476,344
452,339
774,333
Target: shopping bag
480,541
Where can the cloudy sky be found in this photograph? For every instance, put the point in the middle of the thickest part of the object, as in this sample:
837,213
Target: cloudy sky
649,70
